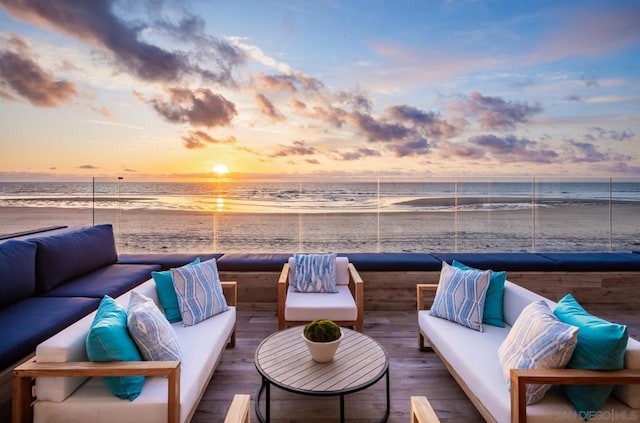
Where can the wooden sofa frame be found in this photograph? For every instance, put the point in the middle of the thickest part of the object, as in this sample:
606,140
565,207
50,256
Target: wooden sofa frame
356,286
422,412
521,377
24,375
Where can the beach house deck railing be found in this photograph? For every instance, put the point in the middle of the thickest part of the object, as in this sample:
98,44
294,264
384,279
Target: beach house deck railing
373,215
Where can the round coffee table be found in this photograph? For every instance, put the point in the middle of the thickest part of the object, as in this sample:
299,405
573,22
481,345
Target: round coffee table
283,360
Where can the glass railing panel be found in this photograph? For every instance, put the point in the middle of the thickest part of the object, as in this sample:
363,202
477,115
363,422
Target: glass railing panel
625,215
256,217
29,206
169,217
416,216
337,216
106,207
493,215
572,215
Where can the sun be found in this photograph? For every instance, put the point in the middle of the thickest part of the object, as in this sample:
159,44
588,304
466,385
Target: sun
220,169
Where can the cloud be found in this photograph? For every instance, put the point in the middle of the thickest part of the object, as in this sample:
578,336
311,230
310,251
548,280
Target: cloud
416,147
430,122
27,79
379,131
511,148
359,153
96,23
276,82
584,152
199,107
298,148
613,134
88,167
574,99
199,139
592,31
267,108
496,113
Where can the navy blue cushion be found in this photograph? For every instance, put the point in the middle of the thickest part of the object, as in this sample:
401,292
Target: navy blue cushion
501,261
252,262
17,271
32,320
595,262
63,257
391,262
166,261
113,280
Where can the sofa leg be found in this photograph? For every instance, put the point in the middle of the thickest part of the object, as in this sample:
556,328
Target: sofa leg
421,344
22,410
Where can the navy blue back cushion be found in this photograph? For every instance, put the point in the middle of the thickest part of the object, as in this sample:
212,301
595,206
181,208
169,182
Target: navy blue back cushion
17,271
267,262
113,280
63,257
165,260
521,262
33,320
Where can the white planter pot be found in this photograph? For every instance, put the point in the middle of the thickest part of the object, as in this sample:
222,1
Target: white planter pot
323,352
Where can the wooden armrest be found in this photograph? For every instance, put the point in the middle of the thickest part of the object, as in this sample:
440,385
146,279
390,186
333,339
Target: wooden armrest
239,409
521,377
284,275
354,275
421,288
422,412
22,375
230,291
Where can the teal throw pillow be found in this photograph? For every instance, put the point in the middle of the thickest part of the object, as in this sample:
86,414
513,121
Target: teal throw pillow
493,314
109,340
167,293
601,346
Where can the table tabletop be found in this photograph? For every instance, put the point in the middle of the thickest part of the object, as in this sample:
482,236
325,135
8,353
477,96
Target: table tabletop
359,362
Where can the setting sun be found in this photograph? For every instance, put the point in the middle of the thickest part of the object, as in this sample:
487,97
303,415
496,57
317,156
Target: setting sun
220,169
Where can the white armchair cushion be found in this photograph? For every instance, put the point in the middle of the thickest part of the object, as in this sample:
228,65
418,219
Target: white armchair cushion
307,306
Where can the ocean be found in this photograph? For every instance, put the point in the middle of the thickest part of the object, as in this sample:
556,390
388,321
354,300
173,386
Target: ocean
362,216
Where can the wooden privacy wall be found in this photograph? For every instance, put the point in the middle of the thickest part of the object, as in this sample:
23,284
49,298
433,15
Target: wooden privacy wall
397,290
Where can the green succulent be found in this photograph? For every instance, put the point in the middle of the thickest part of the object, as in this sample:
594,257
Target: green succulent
322,330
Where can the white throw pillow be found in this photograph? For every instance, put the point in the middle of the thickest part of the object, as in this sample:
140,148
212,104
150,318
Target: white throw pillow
199,292
315,273
151,331
537,340
460,296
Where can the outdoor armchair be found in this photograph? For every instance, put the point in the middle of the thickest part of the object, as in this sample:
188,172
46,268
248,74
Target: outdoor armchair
346,307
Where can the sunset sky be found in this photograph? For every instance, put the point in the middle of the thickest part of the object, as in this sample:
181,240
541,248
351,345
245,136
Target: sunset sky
321,89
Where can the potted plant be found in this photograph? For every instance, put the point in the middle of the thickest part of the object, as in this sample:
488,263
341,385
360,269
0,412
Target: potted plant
323,337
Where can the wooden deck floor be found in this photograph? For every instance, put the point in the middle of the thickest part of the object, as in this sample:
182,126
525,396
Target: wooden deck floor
412,373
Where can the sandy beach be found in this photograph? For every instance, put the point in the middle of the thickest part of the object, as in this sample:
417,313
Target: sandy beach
583,228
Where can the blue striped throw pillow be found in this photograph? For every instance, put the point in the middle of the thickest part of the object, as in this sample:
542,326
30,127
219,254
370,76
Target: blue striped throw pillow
460,296
315,273
154,336
199,292
537,340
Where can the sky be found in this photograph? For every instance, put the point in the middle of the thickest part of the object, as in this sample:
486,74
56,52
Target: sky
345,89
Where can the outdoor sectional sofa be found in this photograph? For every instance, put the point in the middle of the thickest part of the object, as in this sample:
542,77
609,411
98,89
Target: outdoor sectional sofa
171,391
473,360
50,281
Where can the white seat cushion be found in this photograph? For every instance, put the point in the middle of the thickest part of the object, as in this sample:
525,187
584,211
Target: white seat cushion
307,306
